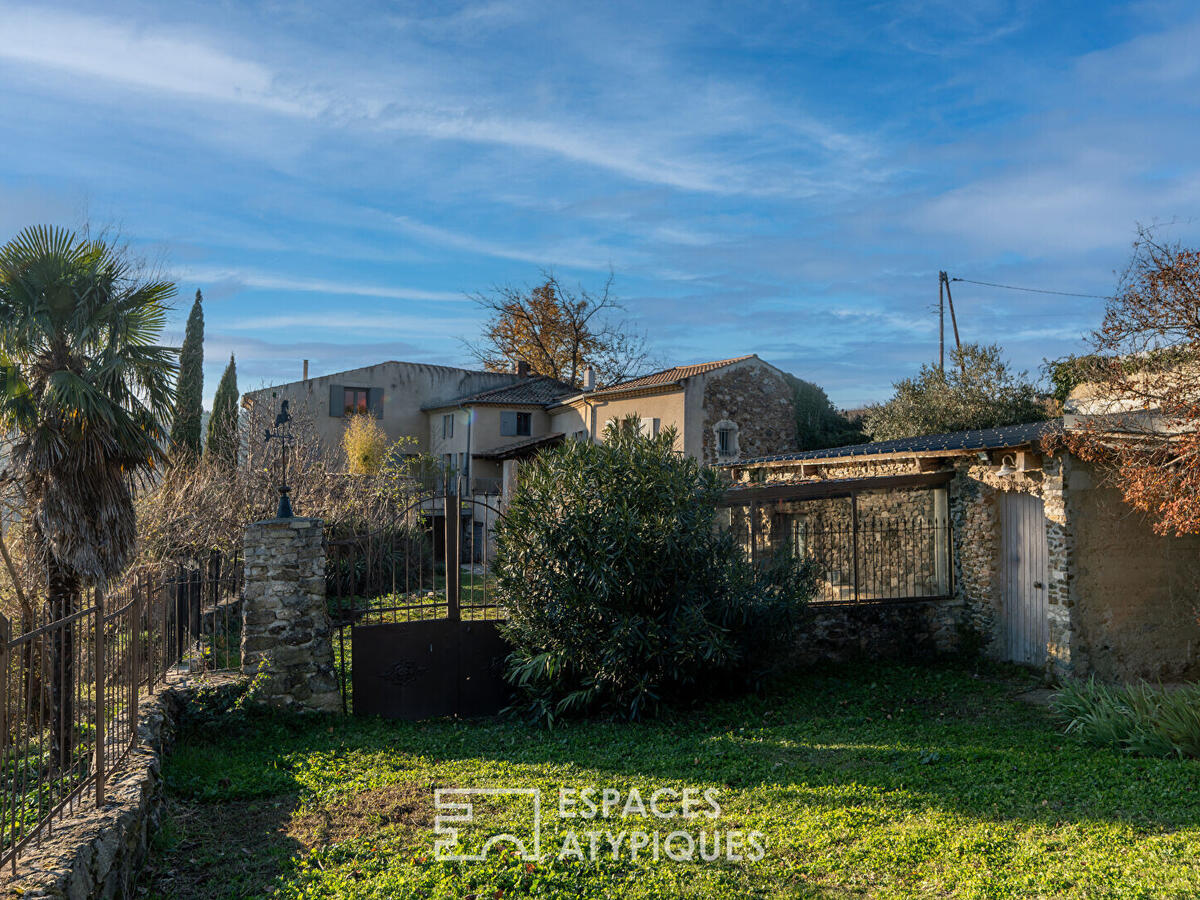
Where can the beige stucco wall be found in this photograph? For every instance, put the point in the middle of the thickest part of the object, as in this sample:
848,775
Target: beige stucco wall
668,408
485,426
407,387
1136,594
569,419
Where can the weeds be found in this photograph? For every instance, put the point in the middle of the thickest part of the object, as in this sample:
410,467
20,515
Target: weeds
1144,719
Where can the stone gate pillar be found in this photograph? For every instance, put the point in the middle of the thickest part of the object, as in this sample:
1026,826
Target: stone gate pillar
285,624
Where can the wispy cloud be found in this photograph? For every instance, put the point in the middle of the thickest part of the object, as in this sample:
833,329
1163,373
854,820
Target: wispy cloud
235,277
351,321
786,180
142,58
163,61
577,255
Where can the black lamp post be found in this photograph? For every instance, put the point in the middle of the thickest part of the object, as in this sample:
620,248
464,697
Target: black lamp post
283,434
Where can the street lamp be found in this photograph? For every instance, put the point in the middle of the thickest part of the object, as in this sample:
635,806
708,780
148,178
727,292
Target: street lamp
283,434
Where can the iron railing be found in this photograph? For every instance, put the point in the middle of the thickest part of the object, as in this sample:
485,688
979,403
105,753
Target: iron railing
858,559
71,684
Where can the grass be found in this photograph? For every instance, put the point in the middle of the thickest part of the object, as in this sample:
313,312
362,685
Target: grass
881,782
428,601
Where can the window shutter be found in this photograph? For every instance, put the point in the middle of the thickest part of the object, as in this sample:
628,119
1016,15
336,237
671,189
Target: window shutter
508,424
650,427
375,402
337,400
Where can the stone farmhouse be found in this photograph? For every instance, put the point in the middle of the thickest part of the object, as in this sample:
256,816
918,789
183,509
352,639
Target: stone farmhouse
482,425
475,422
997,536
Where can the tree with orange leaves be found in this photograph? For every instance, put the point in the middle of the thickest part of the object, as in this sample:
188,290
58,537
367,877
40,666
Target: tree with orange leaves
559,332
1137,414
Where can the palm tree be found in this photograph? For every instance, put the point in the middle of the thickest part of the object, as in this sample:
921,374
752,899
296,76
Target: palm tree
84,390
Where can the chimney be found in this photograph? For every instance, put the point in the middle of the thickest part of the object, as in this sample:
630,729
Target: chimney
589,379
306,370
522,369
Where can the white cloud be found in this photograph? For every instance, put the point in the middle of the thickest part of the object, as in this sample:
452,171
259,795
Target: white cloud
659,150
139,58
576,255
272,281
1164,59
1086,202
349,320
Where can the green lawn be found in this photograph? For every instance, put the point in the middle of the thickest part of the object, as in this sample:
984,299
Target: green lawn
879,782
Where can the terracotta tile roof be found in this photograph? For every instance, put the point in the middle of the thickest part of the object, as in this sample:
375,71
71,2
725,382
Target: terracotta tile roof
980,439
667,376
536,390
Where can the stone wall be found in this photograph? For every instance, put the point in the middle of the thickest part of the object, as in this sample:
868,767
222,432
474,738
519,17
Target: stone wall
1122,602
901,542
756,398
286,634
916,630
970,506
98,852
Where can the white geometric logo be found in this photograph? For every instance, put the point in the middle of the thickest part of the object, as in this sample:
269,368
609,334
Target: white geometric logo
461,811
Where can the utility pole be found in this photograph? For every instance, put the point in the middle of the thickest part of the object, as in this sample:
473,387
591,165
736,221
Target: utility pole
941,323
944,284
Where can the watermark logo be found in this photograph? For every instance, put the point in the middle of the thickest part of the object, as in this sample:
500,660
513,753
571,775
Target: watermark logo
459,807
680,824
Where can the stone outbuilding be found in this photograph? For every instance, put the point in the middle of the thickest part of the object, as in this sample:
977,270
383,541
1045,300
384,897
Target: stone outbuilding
993,537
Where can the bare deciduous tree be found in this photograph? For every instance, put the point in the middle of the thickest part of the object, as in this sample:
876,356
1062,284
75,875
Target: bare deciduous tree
559,332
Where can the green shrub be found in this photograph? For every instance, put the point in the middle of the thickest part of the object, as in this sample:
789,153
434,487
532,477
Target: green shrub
622,595
1142,719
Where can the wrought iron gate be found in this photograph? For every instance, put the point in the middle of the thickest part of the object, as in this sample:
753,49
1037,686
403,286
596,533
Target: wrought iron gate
415,612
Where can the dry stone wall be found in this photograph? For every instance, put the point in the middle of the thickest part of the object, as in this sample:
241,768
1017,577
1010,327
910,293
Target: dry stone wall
98,852
285,624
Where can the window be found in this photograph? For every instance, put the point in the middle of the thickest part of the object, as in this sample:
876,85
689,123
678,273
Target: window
800,536
725,441
649,427
354,402
580,435
516,424
448,426
726,434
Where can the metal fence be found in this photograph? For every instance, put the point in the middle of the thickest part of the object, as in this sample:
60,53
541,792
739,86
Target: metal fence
70,685
858,559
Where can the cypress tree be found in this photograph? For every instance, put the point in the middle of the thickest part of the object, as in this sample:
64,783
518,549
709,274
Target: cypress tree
221,448
189,389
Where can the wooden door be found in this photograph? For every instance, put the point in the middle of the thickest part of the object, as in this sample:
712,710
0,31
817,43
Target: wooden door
1024,577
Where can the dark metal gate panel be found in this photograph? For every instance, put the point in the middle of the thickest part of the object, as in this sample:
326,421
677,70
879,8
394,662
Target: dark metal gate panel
1025,573
416,670
416,614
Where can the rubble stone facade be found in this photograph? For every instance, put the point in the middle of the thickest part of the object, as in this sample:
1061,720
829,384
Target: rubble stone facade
285,624
1120,599
759,401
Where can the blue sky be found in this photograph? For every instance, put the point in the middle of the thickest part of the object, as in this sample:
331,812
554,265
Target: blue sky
780,179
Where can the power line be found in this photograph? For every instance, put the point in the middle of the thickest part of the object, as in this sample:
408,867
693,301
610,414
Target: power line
1011,287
